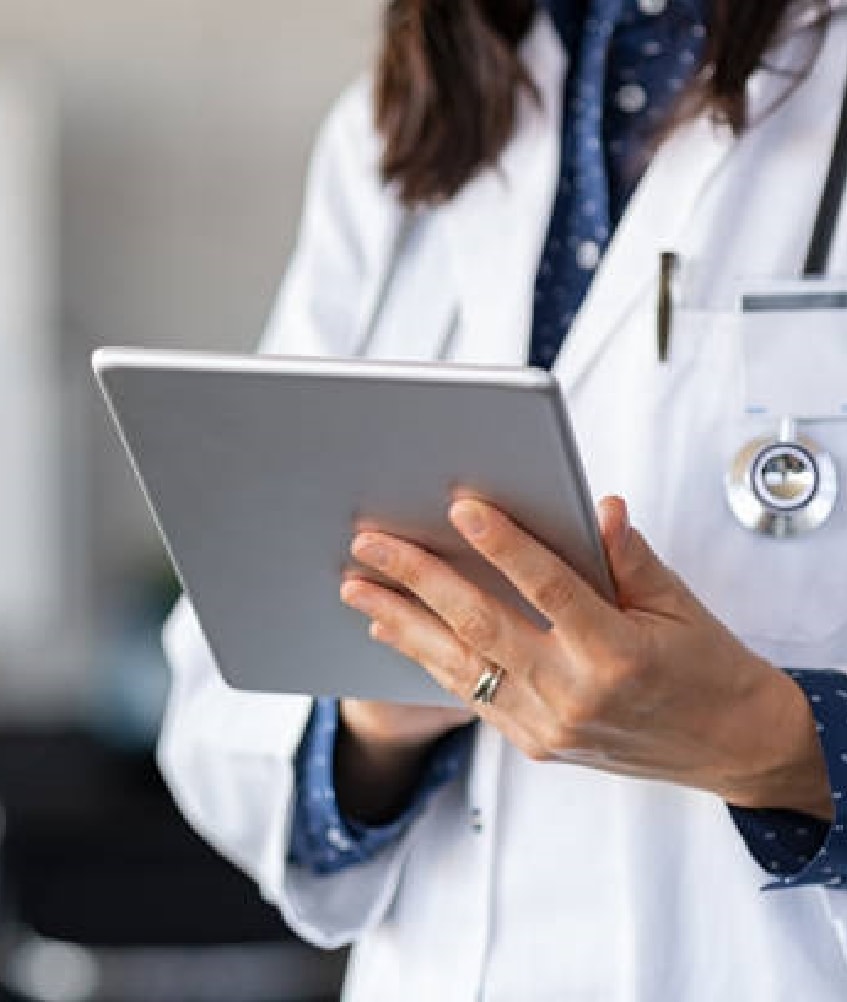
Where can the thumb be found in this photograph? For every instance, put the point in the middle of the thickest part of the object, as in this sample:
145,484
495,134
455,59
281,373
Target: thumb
642,581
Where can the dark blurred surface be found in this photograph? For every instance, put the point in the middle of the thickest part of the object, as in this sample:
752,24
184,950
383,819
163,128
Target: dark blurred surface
95,855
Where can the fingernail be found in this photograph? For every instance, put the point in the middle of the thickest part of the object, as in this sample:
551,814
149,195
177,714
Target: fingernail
372,552
468,517
352,595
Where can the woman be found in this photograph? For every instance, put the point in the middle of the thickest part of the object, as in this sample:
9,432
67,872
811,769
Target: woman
524,170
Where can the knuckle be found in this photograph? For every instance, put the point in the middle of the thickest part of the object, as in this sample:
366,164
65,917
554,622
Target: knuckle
411,571
463,670
631,669
452,678
534,674
536,752
556,736
478,627
593,708
578,716
498,543
554,592
584,716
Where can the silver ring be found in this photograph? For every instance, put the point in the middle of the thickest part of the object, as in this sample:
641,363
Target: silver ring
487,685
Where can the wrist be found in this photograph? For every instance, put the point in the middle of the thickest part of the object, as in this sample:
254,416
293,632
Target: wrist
787,769
375,778
377,755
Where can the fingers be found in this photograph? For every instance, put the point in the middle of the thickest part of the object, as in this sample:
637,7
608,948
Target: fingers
419,635
413,630
558,592
480,622
579,689
613,519
641,579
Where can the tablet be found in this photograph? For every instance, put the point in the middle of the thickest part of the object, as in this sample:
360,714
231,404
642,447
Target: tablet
257,470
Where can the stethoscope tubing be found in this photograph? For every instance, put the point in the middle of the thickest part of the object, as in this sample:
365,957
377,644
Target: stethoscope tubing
832,197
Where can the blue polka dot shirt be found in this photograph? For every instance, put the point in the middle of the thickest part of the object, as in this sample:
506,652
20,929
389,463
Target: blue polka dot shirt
322,838
628,61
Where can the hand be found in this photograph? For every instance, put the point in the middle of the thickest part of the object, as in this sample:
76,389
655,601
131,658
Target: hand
656,688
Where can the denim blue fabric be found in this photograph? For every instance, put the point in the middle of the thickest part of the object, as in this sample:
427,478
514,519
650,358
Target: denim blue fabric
322,838
796,849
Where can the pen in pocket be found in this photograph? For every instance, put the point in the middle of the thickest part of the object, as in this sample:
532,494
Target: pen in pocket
668,265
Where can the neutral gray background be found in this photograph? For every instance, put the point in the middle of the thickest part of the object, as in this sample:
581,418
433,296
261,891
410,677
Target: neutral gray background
182,129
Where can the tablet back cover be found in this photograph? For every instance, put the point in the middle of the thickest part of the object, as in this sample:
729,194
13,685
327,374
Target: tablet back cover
257,472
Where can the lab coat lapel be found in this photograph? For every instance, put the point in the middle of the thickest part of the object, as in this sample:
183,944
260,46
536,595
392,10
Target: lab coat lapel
654,222
659,215
495,227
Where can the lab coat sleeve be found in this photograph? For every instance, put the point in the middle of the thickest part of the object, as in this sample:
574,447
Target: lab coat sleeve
347,232
227,756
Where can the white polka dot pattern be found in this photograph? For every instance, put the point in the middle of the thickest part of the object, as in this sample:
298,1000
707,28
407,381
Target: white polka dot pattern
628,61
797,849
631,98
324,841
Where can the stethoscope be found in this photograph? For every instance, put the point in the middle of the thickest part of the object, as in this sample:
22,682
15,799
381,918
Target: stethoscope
786,484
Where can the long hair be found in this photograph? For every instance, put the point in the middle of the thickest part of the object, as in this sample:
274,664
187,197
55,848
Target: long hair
449,77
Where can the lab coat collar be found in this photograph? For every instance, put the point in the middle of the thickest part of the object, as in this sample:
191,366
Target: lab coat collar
495,227
654,222
664,205
495,278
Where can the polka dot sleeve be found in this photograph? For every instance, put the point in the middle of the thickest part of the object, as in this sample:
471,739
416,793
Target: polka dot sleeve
799,850
322,839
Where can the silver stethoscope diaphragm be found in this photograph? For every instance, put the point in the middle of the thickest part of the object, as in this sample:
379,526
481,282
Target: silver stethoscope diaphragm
782,486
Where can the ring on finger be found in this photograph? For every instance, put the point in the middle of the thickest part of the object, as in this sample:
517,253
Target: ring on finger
487,685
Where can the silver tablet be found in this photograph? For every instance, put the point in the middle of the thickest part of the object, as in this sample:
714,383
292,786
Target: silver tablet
257,469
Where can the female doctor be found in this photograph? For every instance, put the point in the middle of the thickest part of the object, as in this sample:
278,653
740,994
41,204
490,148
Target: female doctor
592,186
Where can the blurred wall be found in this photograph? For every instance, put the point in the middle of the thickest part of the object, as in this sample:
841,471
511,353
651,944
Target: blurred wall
183,133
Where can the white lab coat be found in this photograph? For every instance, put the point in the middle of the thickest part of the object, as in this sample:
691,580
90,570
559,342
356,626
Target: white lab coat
576,885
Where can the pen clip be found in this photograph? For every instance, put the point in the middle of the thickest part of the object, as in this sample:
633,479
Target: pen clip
668,265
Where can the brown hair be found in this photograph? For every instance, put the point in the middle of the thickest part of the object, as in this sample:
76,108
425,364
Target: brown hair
449,77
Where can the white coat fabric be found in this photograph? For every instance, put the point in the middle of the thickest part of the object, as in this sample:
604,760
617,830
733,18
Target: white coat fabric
576,885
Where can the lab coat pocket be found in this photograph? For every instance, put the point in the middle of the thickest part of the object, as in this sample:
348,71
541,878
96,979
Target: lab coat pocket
796,586
787,597
795,376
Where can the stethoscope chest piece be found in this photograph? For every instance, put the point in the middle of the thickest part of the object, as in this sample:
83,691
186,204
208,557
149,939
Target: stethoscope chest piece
782,486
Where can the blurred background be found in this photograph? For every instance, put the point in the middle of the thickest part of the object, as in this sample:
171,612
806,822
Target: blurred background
152,160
